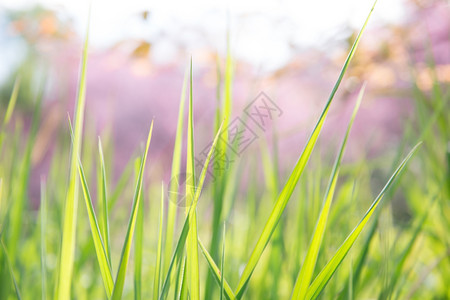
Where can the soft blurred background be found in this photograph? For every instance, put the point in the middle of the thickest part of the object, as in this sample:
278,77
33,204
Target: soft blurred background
292,51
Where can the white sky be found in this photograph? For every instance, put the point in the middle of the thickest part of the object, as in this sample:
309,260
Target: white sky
253,23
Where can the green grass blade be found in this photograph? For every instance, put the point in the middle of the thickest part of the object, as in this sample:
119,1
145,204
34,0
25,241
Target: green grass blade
176,165
400,261
288,189
159,253
222,262
121,273
20,204
324,276
222,183
180,288
100,249
178,254
11,271
43,211
12,102
179,279
104,200
67,256
307,270
361,261
183,294
138,243
191,246
217,273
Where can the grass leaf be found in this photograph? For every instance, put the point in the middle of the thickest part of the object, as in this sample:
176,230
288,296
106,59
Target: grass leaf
324,276
67,256
174,179
217,273
12,102
307,269
100,249
138,243
11,271
288,189
104,200
191,246
159,253
121,273
43,212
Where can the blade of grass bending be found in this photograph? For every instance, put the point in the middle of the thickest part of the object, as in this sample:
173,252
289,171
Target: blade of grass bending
307,270
43,211
71,202
288,189
121,273
324,276
105,222
138,243
157,278
217,273
176,165
11,271
100,250
191,243
184,232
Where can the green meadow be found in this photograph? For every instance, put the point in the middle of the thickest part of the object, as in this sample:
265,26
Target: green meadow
322,229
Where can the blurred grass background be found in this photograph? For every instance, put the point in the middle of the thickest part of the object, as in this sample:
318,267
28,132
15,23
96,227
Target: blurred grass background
402,254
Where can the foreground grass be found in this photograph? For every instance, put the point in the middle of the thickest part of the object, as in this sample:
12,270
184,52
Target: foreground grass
284,241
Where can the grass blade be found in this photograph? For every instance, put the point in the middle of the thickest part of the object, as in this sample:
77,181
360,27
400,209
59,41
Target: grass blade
104,200
307,269
100,249
159,259
105,266
176,165
324,276
217,273
183,295
71,202
222,262
178,254
11,271
12,102
43,210
191,246
176,257
400,261
121,273
222,182
288,189
138,243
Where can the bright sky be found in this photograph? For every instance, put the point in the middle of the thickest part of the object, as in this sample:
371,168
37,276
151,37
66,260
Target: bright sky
263,31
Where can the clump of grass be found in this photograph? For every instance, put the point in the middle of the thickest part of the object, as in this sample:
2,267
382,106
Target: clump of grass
301,259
